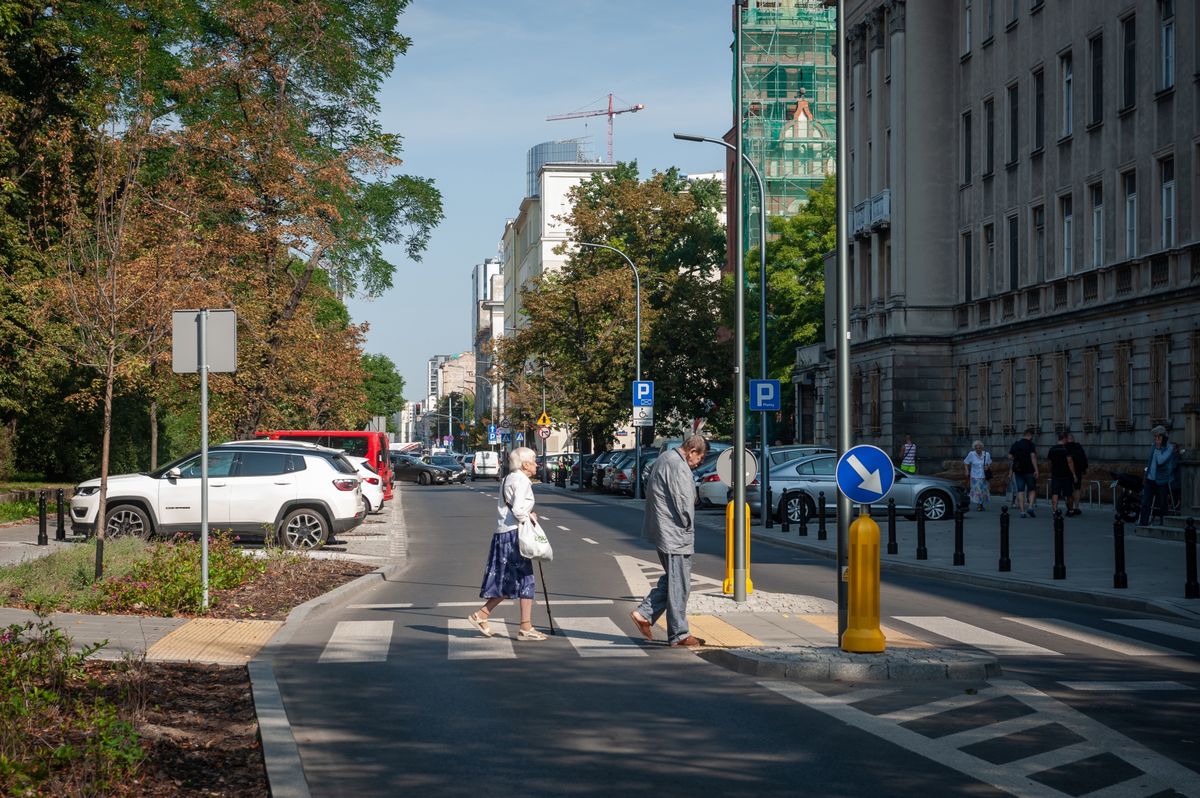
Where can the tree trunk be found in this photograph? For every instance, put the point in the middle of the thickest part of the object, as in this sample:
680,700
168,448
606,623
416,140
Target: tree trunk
106,441
153,434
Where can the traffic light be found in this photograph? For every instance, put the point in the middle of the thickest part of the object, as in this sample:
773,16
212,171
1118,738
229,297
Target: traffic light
417,408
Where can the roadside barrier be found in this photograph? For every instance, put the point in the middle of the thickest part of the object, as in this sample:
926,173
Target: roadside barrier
60,531
892,547
42,539
822,534
922,551
1005,560
960,557
1191,588
1060,568
1120,578
785,523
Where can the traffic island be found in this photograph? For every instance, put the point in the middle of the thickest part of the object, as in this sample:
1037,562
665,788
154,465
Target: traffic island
805,664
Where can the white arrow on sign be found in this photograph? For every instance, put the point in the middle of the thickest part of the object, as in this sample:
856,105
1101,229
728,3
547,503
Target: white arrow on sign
870,479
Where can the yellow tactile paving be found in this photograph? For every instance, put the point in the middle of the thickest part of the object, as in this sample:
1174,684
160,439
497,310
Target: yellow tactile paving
214,640
896,639
717,632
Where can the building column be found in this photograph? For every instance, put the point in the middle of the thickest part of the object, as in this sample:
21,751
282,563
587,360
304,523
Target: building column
899,267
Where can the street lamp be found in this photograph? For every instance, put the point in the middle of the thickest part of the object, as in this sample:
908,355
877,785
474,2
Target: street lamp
764,480
637,314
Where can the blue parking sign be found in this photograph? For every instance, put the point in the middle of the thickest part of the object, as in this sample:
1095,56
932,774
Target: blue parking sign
643,393
764,395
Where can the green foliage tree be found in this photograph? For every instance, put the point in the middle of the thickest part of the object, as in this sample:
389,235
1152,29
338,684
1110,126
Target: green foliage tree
383,386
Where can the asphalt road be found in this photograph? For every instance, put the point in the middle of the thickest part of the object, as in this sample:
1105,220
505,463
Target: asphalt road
397,692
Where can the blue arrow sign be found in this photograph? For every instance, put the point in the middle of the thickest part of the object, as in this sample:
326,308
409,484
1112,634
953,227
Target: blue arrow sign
865,474
492,437
764,395
643,393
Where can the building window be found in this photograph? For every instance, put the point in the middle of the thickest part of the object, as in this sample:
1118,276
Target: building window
989,19
966,147
962,389
1014,11
989,281
1039,243
1166,181
1097,197
989,136
1066,229
1129,182
1039,110
1128,62
1013,124
1089,405
1033,391
985,399
876,406
1122,387
967,266
1014,260
1007,419
966,41
1066,72
1166,44
856,402
1096,54
1061,377
1160,381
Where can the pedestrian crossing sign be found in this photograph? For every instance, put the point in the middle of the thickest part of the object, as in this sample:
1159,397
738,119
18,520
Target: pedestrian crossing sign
544,420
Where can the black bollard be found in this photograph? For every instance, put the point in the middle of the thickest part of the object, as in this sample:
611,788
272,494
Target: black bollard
803,525
42,539
1060,568
1005,562
785,521
821,533
1120,578
892,547
1191,588
60,533
960,557
922,552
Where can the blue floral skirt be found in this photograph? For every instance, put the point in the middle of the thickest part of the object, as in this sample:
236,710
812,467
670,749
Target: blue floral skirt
508,574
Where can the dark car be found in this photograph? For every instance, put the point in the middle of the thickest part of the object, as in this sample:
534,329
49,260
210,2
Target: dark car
620,480
410,469
455,472
600,465
584,463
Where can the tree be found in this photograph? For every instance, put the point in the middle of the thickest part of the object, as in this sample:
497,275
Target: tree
383,386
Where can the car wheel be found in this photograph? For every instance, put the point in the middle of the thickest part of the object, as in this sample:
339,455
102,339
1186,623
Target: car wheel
303,529
796,507
127,521
936,505
423,478
367,506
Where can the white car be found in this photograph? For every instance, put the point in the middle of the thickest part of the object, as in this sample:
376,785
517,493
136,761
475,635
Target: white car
297,493
487,464
370,482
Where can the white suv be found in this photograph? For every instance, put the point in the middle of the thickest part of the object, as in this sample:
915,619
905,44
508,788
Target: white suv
297,493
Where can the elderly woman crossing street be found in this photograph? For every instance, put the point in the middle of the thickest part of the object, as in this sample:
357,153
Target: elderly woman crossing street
977,464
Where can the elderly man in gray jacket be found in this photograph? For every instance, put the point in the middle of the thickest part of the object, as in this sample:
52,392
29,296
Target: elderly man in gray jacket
670,525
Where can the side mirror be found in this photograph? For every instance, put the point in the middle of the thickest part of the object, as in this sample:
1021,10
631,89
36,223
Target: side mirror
173,474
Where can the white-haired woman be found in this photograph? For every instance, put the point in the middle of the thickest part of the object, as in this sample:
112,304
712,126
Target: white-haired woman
508,575
977,464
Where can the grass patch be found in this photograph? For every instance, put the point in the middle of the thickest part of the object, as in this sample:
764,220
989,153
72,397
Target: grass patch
18,511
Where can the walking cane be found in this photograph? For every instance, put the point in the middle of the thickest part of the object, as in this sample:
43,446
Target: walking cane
545,595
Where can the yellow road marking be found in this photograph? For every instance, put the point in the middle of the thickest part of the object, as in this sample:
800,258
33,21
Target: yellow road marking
215,640
718,632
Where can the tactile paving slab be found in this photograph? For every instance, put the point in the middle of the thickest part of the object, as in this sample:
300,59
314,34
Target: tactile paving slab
214,640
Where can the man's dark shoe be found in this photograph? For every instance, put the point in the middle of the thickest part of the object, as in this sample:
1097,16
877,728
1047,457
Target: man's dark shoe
644,626
688,642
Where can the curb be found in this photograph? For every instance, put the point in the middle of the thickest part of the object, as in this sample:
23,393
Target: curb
831,664
281,755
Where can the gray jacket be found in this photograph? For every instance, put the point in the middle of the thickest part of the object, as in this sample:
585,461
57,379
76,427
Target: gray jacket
670,504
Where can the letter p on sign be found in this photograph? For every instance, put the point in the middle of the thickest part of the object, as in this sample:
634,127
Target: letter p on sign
764,395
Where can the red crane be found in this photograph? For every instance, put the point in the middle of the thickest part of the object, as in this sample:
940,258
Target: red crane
610,113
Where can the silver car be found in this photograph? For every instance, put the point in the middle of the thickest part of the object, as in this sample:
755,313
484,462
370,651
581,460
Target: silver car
802,481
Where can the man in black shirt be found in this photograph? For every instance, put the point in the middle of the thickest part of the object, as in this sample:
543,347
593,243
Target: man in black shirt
1023,456
1062,473
1079,456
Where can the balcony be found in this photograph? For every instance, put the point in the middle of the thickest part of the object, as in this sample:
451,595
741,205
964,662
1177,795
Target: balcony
881,210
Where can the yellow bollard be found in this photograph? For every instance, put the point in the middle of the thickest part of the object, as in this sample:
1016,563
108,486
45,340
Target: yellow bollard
862,633
728,590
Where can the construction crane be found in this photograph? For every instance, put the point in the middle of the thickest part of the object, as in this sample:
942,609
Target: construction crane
610,113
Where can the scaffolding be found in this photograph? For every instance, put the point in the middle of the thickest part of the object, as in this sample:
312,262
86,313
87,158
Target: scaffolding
789,95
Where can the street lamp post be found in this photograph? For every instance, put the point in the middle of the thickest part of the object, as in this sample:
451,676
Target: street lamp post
764,449
843,314
637,314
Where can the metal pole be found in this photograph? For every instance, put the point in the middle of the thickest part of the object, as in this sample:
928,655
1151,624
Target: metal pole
739,367
204,457
842,329
60,531
1120,578
42,539
1005,561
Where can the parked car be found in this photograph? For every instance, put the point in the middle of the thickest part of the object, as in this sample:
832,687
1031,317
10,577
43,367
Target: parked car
296,493
411,469
600,464
620,477
583,465
449,463
487,464
792,451
803,481
648,459
361,443
710,490
370,482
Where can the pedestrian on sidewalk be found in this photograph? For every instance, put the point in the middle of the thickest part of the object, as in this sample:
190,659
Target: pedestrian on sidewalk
908,456
978,467
1160,472
1081,466
1023,456
670,524
1062,473
509,575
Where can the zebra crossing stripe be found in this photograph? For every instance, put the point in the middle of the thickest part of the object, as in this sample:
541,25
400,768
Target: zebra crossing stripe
1189,633
1124,687
1114,643
465,642
358,641
598,637
998,644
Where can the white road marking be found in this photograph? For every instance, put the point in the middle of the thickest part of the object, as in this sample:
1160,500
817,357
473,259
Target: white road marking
598,637
554,603
1124,687
589,540
378,606
638,575
1084,634
1189,633
358,641
974,636
563,528
465,642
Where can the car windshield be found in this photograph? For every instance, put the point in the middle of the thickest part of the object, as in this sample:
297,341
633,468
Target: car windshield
445,460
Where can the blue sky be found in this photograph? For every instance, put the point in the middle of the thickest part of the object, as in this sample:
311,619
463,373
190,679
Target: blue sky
471,97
